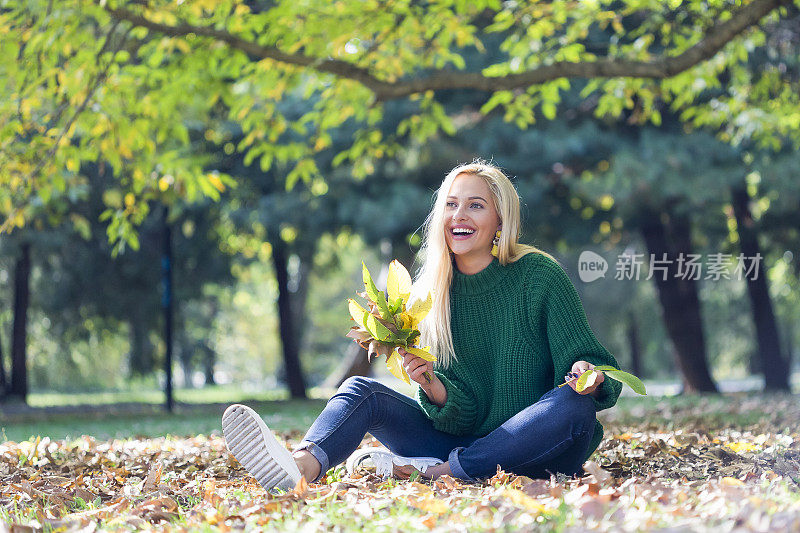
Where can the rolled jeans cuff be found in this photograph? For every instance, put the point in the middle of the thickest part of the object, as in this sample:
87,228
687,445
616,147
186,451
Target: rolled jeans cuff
455,465
319,454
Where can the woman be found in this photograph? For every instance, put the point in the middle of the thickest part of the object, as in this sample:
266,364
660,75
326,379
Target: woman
507,327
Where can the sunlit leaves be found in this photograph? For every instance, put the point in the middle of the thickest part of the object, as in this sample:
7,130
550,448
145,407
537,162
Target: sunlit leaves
419,309
395,366
424,353
374,294
398,282
85,87
356,311
388,325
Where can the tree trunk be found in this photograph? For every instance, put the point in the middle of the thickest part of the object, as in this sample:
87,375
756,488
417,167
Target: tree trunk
141,358
679,301
184,346
299,295
209,355
771,363
3,378
633,344
209,360
788,329
291,356
19,368
167,306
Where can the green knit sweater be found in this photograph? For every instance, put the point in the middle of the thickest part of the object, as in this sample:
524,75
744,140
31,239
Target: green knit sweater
517,330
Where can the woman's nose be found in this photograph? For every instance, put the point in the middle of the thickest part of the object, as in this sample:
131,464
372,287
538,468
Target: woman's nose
460,214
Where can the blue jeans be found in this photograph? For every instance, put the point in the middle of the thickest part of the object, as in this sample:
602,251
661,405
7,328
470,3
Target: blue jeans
552,435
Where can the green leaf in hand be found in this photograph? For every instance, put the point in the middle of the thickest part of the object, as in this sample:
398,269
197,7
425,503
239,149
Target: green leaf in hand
378,330
620,375
374,294
588,378
628,379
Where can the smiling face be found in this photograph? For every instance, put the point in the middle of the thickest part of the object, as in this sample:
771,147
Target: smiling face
470,221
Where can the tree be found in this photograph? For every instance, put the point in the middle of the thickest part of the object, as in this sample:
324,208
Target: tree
84,68
18,387
775,368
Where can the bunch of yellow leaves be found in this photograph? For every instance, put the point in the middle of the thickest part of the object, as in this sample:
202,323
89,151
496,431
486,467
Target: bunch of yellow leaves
391,321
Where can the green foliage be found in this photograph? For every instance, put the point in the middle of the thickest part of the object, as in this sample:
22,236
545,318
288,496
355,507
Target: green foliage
620,375
133,86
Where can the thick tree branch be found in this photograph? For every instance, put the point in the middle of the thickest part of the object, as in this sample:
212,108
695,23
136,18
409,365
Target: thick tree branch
659,68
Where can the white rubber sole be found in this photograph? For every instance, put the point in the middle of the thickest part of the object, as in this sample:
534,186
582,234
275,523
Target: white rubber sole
384,461
252,443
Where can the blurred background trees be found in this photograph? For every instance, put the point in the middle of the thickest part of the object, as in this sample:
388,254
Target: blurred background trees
287,152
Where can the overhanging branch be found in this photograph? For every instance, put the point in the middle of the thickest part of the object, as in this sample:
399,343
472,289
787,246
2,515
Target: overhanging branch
659,68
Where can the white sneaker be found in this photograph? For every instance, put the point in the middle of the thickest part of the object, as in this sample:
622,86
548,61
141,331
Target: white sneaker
384,461
252,443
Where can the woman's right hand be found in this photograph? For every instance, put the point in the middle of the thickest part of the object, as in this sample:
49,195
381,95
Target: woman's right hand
416,367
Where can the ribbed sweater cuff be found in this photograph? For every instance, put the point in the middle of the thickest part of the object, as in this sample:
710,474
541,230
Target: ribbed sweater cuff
608,393
457,416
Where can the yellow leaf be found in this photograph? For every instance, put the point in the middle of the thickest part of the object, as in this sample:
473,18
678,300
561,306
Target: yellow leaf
422,352
420,308
429,504
586,380
395,366
125,151
404,320
216,182
521,499
356,311
398,282
732,482
130,199
742,446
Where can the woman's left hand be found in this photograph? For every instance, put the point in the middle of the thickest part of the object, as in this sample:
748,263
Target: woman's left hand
579,368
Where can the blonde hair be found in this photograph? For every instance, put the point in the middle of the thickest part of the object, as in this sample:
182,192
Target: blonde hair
436,272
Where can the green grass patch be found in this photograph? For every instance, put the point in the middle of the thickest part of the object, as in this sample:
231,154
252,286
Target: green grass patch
205,395
286,415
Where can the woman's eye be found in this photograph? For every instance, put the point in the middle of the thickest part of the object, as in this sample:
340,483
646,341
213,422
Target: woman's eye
450,204
476,204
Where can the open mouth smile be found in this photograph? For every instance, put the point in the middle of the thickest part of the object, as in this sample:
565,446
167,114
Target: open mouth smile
461,232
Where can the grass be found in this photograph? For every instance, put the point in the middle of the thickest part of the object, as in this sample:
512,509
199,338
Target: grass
668,412
210,394
283,415
645,449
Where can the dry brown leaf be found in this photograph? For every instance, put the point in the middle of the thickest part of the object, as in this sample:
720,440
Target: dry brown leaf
601,476
301,489
153,477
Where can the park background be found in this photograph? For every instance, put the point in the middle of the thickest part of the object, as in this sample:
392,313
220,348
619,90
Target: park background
199,182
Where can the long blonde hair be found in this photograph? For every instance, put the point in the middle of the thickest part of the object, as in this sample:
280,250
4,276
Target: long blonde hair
436,272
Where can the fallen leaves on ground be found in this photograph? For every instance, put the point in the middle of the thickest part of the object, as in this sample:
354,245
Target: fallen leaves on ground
701,476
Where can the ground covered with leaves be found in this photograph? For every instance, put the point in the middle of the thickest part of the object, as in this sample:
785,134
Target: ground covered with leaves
700,464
